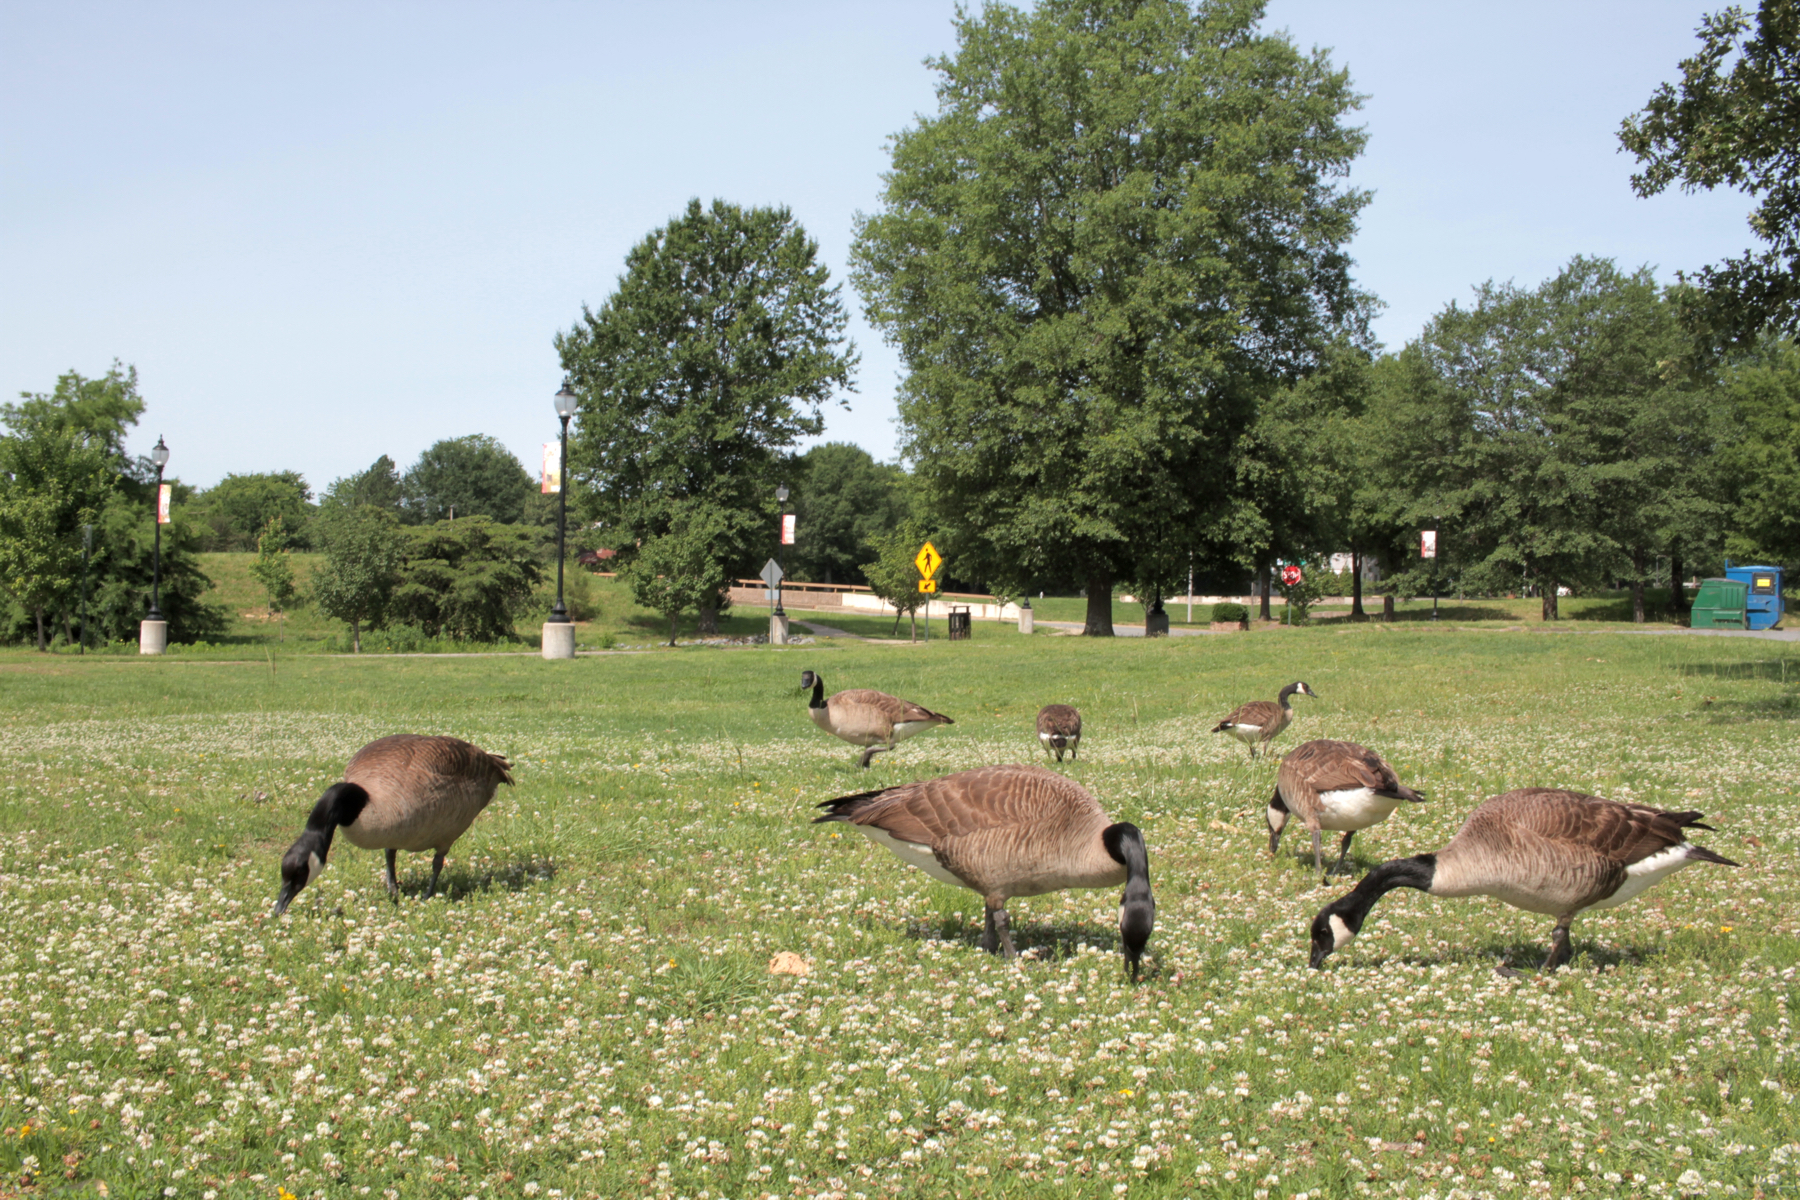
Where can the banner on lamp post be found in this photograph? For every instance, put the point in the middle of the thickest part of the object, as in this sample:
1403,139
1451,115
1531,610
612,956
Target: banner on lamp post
162,504
787,529
1428,543
552,468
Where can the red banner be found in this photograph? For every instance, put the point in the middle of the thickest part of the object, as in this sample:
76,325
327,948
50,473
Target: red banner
162,505
787,529
552,475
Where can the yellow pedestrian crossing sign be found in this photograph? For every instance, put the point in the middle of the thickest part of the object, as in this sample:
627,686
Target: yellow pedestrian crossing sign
927,587
928,561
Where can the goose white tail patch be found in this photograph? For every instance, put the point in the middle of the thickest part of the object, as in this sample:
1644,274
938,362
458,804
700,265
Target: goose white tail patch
905,729
1341,934
911,853
1354,808
1646,873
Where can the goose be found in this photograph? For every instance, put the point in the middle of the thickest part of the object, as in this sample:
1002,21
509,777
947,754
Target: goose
1010,831
1059,728
1539,849
404,792
1259,721
865,717
1339,786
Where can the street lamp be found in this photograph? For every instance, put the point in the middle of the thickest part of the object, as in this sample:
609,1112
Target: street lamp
781,495
565,408
159,454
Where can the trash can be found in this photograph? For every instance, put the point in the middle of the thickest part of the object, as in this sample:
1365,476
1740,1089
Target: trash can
1762,604
958,622
1720,605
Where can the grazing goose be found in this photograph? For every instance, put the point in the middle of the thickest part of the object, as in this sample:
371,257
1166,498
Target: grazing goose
1259,721
865,717
1010,831
404,792
1339,786
1545,851
1059,728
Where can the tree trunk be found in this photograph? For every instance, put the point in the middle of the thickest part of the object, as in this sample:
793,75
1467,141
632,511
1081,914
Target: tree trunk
355,636
1637,584
674,622
1677,593
1265,577
39,610
709,620
68,628
1549,585
1099,606
1356,608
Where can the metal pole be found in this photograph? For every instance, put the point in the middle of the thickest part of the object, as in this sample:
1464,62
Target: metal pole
1190,598
87,553
560,614
155,613
781,574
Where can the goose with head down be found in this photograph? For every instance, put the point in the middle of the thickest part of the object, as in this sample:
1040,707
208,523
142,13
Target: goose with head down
865,717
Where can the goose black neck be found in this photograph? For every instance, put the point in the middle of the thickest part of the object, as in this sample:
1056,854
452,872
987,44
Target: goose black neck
818,693
1282,696
1415,872
341,804
1137,908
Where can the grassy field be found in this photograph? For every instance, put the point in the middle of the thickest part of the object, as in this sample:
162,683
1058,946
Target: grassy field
588,1010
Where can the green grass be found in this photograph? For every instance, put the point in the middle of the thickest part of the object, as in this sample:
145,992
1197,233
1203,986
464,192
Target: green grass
587,1012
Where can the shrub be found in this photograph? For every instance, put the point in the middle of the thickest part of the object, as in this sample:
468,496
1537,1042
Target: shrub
1227,610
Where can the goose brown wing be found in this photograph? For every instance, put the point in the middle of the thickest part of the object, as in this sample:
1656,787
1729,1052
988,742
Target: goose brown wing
1257,712
1059,719
893,708
414,754
934,811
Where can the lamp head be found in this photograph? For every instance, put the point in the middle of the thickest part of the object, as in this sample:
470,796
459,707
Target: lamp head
781,494
159,453
565,401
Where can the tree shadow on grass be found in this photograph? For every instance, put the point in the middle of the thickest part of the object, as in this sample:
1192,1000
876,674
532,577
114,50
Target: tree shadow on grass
1451,611
458,882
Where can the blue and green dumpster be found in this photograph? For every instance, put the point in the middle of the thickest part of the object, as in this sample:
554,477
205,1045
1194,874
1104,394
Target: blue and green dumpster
1719,604
1762,601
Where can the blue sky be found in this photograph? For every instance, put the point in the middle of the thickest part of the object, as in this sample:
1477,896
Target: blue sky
326,232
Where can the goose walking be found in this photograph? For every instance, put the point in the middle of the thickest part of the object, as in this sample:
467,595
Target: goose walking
404,792
1059,729
865,717
1260,721
1010,831
1538,849
1339,786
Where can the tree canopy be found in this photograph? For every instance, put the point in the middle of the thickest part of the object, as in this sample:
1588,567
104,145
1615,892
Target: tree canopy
843,501
1123,227
378,486
698,376
238,508
473,476
1730,123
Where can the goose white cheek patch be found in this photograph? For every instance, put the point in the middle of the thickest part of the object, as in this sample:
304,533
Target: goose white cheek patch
1341,934
314,864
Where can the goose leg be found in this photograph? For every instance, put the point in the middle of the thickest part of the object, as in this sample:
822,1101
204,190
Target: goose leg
1001,925
1560,949
868,756
437,865
1343,852
393,881
990,941
1318,856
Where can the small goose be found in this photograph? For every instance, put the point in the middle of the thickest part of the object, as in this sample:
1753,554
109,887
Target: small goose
404,792
1339,786
865,717
1010,831
1259,721
1059,728
1545,851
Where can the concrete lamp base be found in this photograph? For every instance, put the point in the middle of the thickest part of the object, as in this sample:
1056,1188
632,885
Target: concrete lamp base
153,637
559,639
778,629
1027,620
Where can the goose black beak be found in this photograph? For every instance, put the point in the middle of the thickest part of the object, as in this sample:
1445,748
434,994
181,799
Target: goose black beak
288,892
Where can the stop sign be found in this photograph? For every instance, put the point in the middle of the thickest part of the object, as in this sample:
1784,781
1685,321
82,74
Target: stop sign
1290,576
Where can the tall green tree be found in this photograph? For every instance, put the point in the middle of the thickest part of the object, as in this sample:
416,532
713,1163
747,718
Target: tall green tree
1730,123
51,483
274,568
681,570
893,577
843,500
714,357
379,485
100,409
363,549
1762,457
473,476
238,508
1123,227
467,578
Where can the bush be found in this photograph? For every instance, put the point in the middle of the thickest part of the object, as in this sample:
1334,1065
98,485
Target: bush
1227,610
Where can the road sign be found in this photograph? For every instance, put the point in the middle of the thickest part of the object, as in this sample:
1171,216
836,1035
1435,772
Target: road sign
772,573
927,587
1291,576
928,560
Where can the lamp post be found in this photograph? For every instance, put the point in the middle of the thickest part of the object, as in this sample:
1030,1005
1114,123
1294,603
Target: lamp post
778,621
87,554
153,630
559,633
